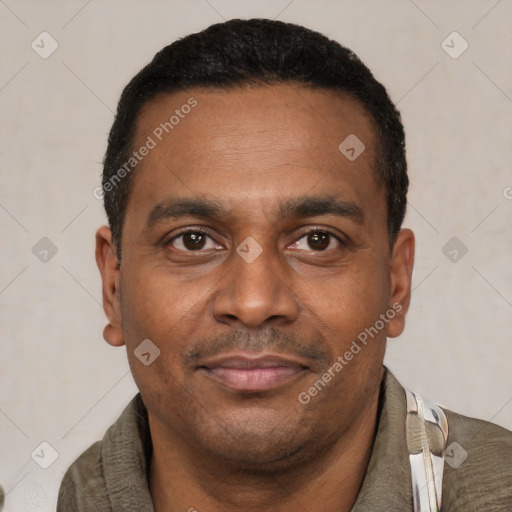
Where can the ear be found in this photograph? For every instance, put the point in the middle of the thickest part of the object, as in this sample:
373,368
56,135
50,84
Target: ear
106,259
402,262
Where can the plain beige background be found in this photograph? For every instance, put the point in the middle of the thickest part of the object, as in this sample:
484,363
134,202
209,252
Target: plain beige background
61,383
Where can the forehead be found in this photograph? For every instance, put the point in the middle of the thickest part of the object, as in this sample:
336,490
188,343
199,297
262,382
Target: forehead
284,116
254,144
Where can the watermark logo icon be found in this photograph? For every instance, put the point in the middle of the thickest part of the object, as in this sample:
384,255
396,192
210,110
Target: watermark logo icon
44,455
44,45
455,455
351,147
249,249
146,352
454,45
454,249
44,250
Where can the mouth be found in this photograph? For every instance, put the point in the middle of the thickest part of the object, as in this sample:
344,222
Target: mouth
253,372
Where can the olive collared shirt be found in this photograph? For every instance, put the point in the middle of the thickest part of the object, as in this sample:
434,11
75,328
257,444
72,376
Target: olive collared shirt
112,475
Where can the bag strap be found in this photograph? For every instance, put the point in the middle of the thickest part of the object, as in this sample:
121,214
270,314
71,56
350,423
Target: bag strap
427,435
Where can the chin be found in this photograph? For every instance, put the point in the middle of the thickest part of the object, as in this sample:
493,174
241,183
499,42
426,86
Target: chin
261,456
260,444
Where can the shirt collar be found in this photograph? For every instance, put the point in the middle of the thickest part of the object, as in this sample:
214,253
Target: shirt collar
387,484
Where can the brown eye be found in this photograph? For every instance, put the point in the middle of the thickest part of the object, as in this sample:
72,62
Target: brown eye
194,241
318,241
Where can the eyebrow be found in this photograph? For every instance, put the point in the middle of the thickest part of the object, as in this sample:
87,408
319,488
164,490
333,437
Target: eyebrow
298,207
176,208
311,206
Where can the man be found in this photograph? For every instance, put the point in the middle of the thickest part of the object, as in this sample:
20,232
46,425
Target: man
255,185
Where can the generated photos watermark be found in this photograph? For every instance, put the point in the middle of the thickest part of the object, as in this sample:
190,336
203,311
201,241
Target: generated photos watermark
152,142
304,397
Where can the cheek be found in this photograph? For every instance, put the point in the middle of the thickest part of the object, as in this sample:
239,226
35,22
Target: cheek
153,303
347,309
155,308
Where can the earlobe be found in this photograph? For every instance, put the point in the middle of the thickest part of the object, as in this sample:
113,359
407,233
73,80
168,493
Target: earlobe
113,335
402,262
108,266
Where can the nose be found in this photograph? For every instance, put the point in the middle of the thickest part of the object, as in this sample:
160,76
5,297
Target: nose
256,293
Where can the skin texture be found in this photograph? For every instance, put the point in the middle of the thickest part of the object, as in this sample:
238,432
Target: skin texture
251,149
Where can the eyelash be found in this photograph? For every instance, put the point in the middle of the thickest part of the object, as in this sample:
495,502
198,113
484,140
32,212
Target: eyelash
206,232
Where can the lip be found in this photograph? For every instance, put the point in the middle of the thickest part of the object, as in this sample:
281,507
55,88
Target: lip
253,372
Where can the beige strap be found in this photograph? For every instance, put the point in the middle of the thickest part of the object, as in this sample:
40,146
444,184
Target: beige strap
427,434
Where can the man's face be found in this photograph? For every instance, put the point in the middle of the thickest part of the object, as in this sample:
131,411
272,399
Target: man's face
254,253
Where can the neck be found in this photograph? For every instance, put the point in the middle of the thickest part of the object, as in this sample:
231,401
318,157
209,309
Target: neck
181,479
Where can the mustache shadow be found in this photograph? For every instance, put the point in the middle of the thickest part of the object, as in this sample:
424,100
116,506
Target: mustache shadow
268,339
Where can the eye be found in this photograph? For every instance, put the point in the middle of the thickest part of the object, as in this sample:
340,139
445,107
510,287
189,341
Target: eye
193,240
317,240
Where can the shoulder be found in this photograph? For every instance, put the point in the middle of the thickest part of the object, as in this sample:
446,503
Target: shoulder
84,479
478,465
100,471
478,459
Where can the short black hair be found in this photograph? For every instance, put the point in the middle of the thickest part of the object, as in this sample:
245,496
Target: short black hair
256,52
